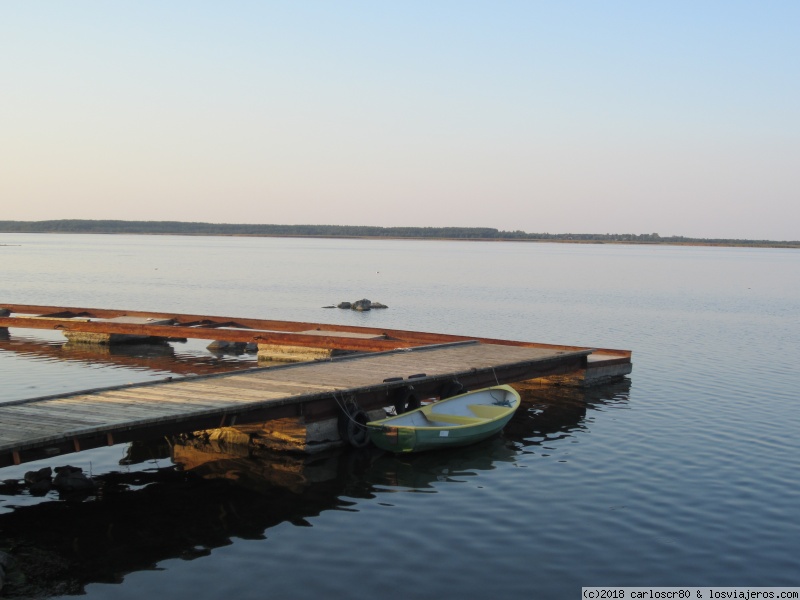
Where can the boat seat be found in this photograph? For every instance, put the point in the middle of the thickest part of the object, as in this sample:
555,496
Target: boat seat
451,419
487,411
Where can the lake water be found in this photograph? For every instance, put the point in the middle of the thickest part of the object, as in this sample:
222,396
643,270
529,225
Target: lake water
684,474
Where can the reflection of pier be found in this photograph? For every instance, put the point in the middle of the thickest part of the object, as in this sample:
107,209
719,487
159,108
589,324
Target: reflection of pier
556,411
62,546
158,356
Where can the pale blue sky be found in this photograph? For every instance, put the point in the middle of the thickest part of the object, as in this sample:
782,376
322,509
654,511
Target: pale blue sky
681,118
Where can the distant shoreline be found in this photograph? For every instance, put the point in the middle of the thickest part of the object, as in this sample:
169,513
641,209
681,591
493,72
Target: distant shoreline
471,234
743,244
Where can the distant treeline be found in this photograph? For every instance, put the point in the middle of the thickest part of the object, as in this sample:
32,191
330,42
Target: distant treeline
460,233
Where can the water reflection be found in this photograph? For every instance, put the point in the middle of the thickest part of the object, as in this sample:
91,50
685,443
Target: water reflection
549,413
137,519
421,472
546,414
213,493
157,355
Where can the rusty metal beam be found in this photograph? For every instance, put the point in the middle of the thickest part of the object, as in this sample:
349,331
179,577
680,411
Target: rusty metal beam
230,335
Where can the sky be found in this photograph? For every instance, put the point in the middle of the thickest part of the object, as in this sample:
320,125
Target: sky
671,117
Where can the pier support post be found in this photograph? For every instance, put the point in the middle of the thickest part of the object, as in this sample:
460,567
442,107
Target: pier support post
4,312
594,374
288,353
279,353
288,434
100,339
86,337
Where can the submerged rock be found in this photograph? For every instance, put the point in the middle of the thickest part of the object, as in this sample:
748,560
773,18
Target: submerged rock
5,564
225,347
72,479
44,474
40,488
39,482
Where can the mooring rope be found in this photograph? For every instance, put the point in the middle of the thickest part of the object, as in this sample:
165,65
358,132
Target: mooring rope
344,406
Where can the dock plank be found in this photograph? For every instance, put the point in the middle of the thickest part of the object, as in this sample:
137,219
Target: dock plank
56,413
200,394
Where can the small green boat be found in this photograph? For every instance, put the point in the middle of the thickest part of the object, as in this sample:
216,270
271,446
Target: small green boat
457,421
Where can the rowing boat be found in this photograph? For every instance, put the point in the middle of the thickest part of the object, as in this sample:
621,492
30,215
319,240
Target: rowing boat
456,421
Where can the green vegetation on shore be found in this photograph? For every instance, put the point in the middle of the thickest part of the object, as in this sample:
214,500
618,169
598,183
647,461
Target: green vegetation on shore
360,231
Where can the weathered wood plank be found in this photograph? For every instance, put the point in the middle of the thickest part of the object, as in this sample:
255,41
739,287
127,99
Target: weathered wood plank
228,391
260,383
117,406
185,399
170,394
51,413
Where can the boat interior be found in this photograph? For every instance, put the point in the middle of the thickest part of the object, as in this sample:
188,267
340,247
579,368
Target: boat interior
469,409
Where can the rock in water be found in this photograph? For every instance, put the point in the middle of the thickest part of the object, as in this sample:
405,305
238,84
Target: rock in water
40,481
362,305
72,479
359,305
32,477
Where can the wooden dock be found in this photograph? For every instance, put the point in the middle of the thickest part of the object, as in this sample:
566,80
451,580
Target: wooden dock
320,399
314,392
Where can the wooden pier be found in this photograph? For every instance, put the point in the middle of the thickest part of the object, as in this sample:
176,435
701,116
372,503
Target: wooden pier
310,405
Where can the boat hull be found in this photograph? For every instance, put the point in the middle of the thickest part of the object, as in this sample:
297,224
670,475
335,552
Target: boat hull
458,421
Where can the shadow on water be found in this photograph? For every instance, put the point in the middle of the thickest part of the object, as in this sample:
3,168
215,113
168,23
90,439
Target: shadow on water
134,520
212,494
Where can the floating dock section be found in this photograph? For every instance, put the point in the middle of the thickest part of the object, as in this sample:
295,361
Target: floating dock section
304,406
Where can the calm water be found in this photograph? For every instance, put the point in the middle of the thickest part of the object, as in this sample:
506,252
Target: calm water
684,474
